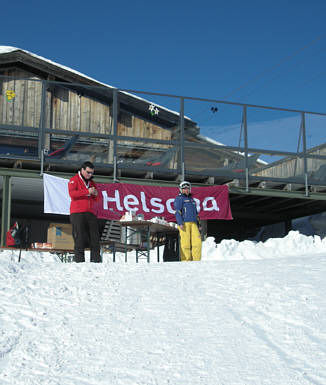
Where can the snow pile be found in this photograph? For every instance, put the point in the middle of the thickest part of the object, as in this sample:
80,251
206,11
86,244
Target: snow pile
293,244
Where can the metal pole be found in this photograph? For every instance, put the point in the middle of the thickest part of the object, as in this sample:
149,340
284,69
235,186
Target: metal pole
245,135
115,130
6,208
42,120
41,140
42,163
148,243
182,127
126,240
304,150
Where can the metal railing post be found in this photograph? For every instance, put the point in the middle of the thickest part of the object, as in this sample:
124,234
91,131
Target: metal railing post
304,150
115,131
41,141
41,138
6,208
42,164
245,137
182,128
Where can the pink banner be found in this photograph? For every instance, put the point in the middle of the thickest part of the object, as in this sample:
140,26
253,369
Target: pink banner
155,201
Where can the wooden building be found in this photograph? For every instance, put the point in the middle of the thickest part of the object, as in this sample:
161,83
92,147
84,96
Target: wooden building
293,167
46,106
73,102
37,93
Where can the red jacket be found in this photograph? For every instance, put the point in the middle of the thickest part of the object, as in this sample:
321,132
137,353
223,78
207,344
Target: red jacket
81,201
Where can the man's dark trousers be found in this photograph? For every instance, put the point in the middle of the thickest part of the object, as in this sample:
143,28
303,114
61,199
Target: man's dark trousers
85,228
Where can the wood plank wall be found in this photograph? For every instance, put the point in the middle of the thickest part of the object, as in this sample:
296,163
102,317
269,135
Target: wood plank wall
24,108
131,125
67,110
71,111
294,167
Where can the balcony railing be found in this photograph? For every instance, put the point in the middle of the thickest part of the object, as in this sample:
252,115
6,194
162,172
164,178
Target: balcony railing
130,131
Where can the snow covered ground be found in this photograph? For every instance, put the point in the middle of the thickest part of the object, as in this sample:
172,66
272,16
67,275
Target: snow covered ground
247,314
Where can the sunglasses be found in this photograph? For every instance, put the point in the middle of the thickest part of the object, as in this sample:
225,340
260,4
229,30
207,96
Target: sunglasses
89,172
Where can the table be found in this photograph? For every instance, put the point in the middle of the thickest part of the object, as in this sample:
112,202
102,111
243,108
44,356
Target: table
114,247
151,234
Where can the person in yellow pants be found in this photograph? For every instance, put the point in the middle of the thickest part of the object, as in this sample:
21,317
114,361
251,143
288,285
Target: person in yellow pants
187,220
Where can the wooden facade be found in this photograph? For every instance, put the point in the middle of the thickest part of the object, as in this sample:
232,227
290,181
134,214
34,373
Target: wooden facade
20,100
68,109
75,103
294,167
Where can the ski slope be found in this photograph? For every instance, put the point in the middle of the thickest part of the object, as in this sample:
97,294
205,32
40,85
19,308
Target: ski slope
246,314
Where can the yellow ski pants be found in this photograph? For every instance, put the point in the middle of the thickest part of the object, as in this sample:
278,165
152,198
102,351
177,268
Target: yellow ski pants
190,242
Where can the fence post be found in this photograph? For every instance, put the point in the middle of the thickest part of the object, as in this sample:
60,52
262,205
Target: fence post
41,138
245,137
115,129
304,145
182,127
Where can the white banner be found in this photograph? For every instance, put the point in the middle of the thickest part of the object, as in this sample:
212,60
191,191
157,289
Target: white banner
56,195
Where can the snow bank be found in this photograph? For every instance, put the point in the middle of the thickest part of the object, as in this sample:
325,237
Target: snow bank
293,244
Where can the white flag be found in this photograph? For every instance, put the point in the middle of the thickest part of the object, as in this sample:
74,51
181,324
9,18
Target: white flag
56,195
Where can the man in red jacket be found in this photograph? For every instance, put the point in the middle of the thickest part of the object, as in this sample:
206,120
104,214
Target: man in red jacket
83,194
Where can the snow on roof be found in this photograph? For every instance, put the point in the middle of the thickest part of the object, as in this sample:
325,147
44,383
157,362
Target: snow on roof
6,48
210,140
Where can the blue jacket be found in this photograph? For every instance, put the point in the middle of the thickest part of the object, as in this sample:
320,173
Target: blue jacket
185,209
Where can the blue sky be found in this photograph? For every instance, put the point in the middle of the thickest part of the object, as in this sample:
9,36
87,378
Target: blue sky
257,52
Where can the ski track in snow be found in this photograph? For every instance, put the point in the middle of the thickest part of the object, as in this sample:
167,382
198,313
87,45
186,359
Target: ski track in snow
226,322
